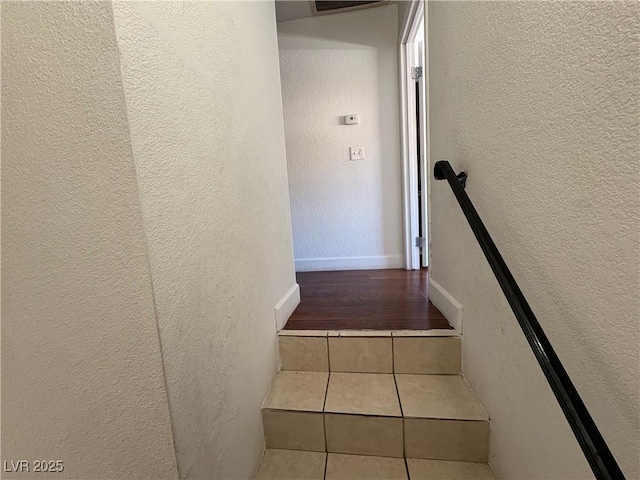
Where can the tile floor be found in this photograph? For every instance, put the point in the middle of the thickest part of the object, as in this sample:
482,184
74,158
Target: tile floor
428,396
389,415
392,395
371,352
298,465
352,354
363,394
373,405
304,391
364,435
459,440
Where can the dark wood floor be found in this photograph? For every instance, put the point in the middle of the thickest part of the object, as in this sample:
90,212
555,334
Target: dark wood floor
365,299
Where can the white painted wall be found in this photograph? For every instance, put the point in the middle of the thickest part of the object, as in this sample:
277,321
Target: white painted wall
82,378
345,214
538,102
203,93
404,7
171,190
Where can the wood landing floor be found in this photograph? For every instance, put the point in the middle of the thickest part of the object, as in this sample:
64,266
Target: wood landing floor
365,300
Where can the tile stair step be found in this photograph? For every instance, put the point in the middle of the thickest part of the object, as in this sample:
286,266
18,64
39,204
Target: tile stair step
421,469
436,332
371,352
389,415
295,464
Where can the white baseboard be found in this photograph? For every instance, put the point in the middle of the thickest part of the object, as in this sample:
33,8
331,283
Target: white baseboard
449,306
287,304
349,263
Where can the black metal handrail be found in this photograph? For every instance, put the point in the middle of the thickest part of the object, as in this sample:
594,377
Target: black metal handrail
595,449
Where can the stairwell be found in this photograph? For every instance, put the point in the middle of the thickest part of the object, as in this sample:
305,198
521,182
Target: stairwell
373,405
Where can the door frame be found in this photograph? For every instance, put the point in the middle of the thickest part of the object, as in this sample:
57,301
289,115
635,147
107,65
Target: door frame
407,55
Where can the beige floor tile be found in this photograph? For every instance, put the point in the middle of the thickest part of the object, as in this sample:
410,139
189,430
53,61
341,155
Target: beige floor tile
304,353
291,465
355,354
294,430
420,469
427,355
364,435
303,391
362,393
460,440
438,396
359,467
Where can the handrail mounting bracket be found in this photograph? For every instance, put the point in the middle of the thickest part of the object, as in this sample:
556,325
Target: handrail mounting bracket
462,178
439,174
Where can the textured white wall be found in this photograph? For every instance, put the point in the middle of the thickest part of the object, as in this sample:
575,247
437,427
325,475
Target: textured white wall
203,92
538,102
332,66
82,375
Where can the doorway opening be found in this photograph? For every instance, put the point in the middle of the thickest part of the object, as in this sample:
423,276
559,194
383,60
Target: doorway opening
352,176
413,95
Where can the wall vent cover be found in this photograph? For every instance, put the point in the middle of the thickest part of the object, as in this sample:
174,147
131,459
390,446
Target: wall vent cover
322,7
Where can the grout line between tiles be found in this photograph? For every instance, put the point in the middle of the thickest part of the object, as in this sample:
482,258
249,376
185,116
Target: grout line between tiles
395,382
393,360
404,444
326,393
377,456
376,415
328,357
326,458
413,417
406,465
366,415
363,415
324,420
398,395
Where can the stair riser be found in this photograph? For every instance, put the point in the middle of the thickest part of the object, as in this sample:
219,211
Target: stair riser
290,430
364,435
460,440
282,464
418,355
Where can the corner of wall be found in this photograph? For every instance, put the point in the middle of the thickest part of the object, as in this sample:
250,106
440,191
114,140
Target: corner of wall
444,301
286,305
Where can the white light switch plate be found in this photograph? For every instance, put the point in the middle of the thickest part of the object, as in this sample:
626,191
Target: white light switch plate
356,153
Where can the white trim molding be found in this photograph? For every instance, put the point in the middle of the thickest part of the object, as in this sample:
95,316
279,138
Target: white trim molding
287,304
408,138
349,263
449,306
